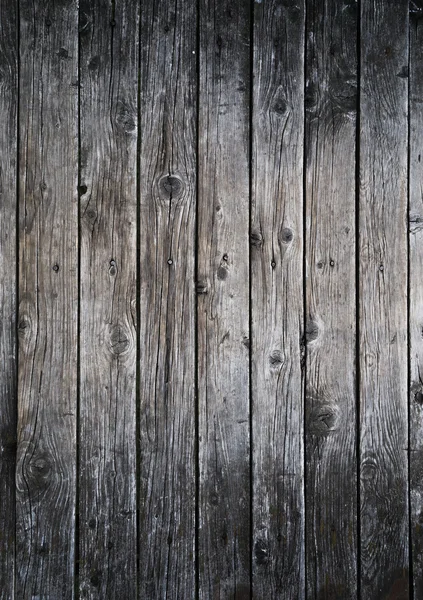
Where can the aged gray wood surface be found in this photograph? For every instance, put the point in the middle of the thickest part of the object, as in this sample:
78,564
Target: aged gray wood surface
383,300
277,307
223,300
415,218
108,338
48,299
331,467
8,257
210,256
167,300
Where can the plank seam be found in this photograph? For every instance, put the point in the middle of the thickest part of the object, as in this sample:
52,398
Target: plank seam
196,275
410,539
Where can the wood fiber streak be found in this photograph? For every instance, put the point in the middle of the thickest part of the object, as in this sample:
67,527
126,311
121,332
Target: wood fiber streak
167,300
330,332
8,342
415,225
48,299
223,300
277,300
383,228
108,347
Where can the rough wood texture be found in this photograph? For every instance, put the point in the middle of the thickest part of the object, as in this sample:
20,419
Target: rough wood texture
108,341
8,342
277,300
383,300
331,466
416,294
167,299
223,300
48,299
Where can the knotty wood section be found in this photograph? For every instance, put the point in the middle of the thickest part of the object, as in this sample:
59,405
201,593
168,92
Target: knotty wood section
223,300
330,337
167,299
8,258
383,300
415,217
108,342
277,300
48,299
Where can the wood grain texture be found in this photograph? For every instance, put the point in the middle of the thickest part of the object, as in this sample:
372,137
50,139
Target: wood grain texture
167,299
8,258
415,217
330,336
48,299
108,341
277,300
223,300
383,231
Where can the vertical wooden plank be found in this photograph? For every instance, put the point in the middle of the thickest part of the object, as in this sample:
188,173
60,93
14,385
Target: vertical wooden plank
108,189
167,299
8,259
383,300
330,335
277,300
223,300
416,293
48,299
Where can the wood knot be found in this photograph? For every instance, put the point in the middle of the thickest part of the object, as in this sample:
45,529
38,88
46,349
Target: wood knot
201,287
261,552
322,420
222,273
63,53
287,235
35,469
311,331
275,359
118,340
94,63
256,239
125,118
112,268
171,188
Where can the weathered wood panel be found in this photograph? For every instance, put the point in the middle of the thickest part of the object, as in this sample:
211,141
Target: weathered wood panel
48,299
8,261
330,336
167,299
108,342
277,315
416,294
223,300
383,300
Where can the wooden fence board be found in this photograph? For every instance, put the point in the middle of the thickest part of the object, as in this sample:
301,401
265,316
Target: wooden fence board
277,302
223,300
8,259
108,340
167,299
415,218
331,436
48,299
383,300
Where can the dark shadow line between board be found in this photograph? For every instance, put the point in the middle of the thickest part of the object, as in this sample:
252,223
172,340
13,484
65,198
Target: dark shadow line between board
196,343
410,538
138,322
17,274
303,344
